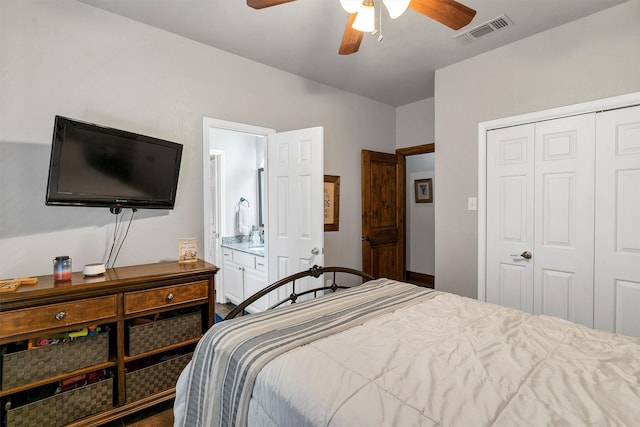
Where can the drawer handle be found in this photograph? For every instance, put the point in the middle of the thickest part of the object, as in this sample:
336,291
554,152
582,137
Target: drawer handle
60,315
170,297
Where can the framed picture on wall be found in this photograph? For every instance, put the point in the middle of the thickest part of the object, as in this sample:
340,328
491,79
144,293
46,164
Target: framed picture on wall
331,203
424,190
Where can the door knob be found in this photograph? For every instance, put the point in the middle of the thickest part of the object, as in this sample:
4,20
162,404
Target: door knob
315,251
525,255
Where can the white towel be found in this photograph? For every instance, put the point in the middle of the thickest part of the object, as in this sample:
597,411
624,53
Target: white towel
243,219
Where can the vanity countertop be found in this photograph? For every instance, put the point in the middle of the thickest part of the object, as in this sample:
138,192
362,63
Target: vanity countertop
248,247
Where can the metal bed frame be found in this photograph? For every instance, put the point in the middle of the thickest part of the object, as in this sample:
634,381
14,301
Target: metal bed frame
315,271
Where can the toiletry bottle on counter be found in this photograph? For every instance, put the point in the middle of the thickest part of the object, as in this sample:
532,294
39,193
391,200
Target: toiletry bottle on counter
254,237
62,268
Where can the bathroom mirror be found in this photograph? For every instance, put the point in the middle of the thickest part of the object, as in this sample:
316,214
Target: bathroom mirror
261,201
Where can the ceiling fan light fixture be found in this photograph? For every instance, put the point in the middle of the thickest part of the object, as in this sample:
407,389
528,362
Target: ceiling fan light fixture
365,19
396,7
351,6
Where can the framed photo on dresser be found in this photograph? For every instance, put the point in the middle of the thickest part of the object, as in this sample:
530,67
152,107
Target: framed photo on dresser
187,250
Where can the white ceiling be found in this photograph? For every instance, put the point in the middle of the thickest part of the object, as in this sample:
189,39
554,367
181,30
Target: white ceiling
302,37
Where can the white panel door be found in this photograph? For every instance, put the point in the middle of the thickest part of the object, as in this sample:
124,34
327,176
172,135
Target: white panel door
215,200
295,175
510,187
564,218
617,273
540,220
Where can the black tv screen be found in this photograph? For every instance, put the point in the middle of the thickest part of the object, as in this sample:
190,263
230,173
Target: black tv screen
93,165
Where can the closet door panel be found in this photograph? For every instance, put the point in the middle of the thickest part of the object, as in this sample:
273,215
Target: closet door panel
510,216
557,291
628,211
558,208
564,218
617,267
627,317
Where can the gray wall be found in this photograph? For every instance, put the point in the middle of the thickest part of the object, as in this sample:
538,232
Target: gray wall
415,123
71,59
591,58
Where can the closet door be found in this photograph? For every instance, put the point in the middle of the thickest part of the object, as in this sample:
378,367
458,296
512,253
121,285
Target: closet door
563,251
617,269
540,217
510,195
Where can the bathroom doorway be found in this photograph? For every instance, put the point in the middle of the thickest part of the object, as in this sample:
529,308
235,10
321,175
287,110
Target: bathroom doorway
292,214
233,153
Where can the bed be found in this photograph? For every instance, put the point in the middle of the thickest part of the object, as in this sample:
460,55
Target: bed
389,353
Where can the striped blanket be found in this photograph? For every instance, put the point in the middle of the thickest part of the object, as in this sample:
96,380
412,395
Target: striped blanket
220,377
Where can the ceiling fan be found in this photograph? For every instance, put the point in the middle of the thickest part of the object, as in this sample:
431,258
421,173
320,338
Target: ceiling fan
448,12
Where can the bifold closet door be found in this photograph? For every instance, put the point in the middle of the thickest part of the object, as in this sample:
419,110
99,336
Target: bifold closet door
540,217
563,252
510,207
617,269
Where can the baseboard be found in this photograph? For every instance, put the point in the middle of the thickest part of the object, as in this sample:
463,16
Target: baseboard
421,279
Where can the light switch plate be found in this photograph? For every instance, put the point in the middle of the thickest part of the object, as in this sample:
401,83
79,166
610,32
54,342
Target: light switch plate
472,204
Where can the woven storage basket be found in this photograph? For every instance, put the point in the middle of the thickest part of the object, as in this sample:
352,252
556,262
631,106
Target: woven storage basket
155,378
65,407
27,366
161,333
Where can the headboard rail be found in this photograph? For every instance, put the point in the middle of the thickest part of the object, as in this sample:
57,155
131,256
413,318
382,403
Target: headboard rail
315,271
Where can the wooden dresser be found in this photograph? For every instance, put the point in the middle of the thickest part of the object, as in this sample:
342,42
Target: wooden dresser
137,328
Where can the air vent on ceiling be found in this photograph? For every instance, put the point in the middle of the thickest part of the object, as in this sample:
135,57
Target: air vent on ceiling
483,30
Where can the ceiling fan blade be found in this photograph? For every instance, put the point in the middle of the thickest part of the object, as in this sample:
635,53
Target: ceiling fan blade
351,38
261,4
448,12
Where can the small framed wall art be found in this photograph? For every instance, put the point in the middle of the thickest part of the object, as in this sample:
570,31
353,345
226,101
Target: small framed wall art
424,190
331,203
187,250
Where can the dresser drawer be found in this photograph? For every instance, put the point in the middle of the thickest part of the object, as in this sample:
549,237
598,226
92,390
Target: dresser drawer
135,302
51,316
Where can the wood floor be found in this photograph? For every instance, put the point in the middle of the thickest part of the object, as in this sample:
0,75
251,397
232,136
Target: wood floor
161,419
224,309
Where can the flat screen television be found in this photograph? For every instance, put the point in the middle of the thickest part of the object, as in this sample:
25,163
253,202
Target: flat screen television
93,165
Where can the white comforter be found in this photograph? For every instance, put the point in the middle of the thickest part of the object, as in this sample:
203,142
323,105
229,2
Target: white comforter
453,361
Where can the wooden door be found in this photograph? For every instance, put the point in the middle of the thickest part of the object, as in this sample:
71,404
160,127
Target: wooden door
617,269
383,205
295,177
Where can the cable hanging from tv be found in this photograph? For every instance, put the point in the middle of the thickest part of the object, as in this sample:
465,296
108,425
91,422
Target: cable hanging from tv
116,230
